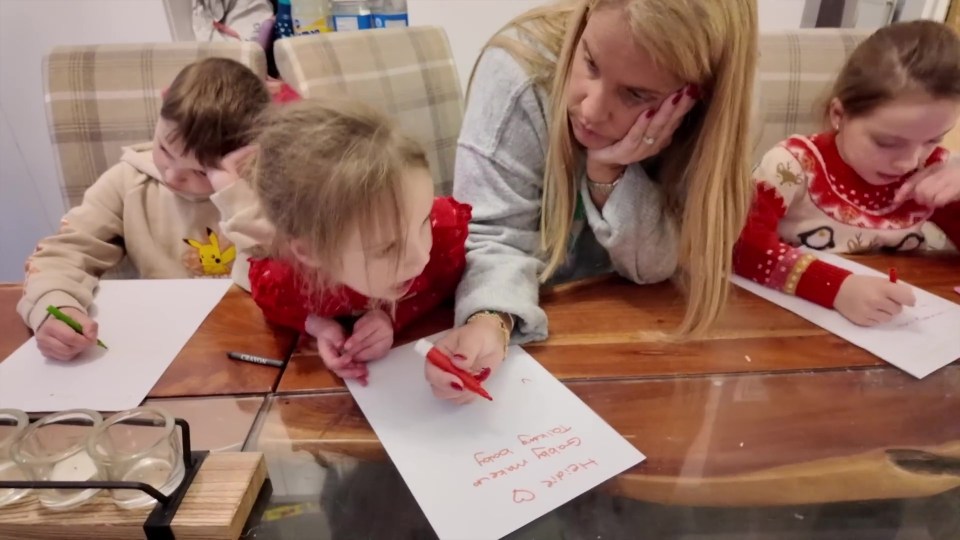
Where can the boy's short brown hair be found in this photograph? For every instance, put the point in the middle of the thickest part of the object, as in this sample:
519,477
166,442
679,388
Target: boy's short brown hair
214,103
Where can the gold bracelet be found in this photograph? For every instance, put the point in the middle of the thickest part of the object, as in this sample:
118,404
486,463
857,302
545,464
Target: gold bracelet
500,322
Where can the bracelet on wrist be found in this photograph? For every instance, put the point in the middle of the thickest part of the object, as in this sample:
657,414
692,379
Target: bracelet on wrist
499,318
604,188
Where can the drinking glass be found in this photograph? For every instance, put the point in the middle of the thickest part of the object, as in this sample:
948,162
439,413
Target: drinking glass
138,445
54,448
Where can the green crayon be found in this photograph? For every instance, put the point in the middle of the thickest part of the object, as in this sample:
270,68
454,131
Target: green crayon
61,316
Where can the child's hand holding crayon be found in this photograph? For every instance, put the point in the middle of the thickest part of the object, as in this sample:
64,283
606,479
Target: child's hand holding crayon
868,300
58,341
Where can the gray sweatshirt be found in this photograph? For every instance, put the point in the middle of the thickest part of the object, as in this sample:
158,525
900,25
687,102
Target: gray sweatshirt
501,157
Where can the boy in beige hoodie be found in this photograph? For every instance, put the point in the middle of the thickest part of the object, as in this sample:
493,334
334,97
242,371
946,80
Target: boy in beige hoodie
157,206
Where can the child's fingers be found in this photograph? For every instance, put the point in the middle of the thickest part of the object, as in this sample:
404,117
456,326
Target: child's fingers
361,334
889,307
331,356
901,294
375,347
54,349
352,371
66,346
66,335
907,190
91,331
944,198
236,159
880,317
341,361
326,350
942,191
923,194
322,327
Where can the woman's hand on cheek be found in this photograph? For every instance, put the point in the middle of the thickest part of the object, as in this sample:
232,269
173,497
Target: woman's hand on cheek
330,338
651,133
476,347
934,187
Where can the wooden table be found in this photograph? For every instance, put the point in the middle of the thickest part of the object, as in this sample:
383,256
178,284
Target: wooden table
15,333
609,328
767,410
201,368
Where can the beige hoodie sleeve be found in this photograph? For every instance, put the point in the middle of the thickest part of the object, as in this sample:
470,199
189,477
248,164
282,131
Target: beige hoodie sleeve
243,222
66,267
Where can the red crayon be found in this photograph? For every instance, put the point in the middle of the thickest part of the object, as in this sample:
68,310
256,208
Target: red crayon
893,275
438,358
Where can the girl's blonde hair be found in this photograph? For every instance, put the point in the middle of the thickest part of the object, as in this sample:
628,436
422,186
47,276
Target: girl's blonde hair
904,57
326,166
705,171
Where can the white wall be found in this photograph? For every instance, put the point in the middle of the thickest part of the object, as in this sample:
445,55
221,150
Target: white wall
923,9
30,201
469,23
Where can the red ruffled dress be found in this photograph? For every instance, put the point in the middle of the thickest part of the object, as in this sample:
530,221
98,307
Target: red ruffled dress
279,290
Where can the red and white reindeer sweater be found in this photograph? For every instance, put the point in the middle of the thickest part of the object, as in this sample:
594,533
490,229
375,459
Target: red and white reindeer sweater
808,196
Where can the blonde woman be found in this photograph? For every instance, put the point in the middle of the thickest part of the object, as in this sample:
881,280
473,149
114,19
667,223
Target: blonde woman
601,134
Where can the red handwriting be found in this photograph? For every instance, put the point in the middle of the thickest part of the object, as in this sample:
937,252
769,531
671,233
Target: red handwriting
567,471
523,495
500,473
485,460
544,452
527,439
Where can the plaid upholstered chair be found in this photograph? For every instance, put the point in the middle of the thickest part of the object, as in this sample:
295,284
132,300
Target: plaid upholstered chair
408,72
102,97
795,74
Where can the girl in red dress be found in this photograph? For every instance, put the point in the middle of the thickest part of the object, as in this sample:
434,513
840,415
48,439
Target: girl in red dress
359,239
869,183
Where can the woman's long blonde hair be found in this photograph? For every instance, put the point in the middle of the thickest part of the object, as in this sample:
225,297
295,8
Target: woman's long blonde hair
705,172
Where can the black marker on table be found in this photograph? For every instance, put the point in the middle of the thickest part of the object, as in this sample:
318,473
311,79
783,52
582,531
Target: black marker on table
254,359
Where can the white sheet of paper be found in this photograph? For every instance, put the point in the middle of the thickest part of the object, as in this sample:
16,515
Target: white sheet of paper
921,340
144,323
485,469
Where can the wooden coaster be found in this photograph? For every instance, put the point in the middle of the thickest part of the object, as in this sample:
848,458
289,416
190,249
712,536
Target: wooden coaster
215,507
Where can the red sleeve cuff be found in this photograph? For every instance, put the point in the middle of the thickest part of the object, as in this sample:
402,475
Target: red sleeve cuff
820,283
